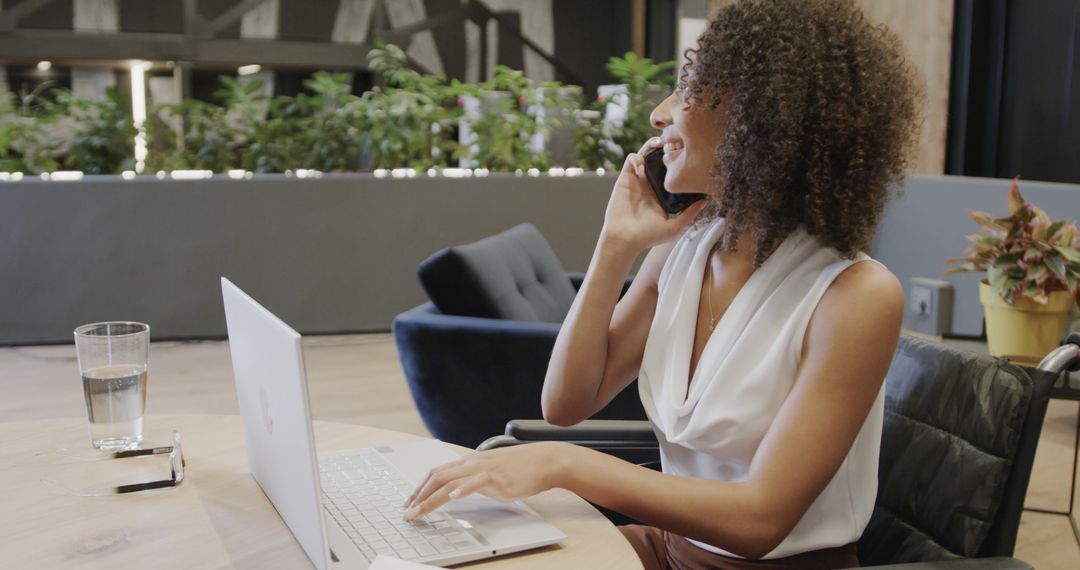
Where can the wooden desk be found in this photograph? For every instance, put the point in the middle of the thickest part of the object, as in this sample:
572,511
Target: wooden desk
218,517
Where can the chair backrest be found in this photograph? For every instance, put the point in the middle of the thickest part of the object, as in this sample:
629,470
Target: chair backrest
511,275
957,448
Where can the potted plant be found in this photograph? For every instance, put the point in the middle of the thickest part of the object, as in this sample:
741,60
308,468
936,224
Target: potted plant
618,121
553,105
496,127
407,121
205,141
33,130
591,137
331,136
646,84
278,142
1032,267
103,138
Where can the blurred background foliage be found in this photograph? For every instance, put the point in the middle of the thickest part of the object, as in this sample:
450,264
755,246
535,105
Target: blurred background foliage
409,119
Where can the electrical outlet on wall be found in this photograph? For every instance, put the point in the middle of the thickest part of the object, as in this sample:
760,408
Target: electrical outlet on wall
921,300
929,306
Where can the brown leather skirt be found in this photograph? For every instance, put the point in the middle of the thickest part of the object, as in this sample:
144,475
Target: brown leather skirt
661,550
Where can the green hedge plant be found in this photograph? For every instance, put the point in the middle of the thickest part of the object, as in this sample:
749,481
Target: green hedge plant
29,140
409,119
602,144
104,137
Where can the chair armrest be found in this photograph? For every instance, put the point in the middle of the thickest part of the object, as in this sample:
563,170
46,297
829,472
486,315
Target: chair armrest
629,440
614,432
999,563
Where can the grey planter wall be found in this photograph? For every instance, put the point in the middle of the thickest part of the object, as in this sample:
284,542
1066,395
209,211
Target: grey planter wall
337,253
340,253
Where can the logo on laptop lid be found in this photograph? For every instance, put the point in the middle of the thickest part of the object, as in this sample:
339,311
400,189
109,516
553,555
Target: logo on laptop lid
264,405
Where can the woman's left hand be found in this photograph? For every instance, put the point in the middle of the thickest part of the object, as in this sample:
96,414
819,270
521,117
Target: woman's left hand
505,474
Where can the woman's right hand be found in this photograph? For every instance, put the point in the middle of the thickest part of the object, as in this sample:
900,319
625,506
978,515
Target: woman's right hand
634,219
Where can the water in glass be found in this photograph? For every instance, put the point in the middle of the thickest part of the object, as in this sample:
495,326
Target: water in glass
115,402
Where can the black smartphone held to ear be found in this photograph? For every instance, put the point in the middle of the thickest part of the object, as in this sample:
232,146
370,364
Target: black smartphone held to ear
655,171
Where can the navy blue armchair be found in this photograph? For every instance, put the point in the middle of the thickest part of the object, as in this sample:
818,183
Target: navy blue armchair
472,372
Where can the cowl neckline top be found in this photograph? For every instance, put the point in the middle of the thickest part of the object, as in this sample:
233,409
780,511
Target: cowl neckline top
744,373
759,334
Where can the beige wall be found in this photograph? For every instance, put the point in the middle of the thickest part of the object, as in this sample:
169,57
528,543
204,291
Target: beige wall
925,27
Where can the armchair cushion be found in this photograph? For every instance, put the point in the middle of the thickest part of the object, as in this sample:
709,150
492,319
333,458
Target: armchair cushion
513,275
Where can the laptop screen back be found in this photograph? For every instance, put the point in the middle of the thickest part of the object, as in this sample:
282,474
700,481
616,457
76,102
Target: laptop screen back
268,365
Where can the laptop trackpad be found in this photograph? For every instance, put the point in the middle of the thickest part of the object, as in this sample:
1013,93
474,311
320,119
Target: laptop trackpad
502,523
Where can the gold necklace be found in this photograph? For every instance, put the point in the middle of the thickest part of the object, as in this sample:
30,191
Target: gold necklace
708,268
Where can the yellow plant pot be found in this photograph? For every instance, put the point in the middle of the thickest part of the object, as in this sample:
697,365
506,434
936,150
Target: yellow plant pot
1024,328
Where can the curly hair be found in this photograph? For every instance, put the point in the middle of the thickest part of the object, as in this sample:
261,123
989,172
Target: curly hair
820,110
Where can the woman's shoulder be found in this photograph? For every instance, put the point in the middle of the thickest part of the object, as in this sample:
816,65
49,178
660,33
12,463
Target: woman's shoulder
868,276
863,290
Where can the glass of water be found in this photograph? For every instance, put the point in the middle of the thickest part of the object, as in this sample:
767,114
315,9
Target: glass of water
113,362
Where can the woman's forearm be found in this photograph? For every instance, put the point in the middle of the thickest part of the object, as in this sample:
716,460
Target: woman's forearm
733,516
579,358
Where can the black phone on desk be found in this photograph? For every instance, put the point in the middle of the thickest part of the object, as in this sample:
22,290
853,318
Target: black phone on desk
655,171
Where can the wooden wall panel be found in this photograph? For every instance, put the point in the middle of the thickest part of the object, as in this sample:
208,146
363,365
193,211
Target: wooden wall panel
925,27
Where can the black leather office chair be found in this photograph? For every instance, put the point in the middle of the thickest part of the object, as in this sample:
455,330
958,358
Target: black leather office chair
958,444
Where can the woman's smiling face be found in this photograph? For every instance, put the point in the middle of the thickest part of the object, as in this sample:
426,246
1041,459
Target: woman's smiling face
691,132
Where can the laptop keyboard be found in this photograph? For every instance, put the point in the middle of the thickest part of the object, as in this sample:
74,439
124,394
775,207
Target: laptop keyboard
364,494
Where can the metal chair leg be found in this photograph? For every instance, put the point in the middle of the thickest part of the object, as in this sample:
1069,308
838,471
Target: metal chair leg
1072,491
1072,486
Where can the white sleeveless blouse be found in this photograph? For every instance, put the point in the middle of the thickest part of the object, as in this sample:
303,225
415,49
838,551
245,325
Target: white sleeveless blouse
744,374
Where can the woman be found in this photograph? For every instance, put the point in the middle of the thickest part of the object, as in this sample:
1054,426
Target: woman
760,335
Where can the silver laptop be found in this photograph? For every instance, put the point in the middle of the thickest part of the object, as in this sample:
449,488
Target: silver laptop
346,507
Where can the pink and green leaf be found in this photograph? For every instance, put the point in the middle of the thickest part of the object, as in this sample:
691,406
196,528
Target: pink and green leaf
1040,216
1035,293
1008,259
1069,253
1016,201
981,218
1007,224
1039,273
1056,264
1066,236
